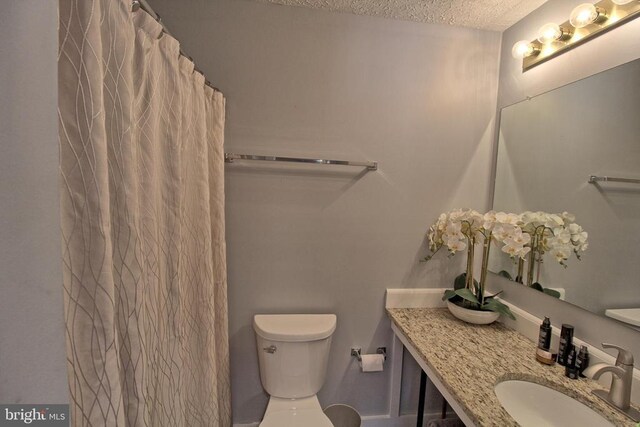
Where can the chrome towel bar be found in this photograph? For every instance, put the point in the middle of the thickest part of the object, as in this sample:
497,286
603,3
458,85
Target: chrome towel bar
230,157
594,178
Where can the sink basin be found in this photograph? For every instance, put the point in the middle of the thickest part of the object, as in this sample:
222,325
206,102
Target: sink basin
534,405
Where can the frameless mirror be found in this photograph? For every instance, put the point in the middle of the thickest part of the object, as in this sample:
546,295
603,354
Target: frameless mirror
548,147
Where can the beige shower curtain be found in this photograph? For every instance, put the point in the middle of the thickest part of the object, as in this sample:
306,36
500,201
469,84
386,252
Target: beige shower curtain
142,197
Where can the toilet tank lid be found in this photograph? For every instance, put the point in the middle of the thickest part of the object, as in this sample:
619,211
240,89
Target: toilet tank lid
294,327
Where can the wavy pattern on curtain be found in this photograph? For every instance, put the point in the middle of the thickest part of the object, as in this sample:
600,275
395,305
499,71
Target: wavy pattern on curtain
142,201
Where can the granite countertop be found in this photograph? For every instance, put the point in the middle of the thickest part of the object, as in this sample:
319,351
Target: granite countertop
471,359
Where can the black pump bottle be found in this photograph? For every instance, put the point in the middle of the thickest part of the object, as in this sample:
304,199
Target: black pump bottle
544,339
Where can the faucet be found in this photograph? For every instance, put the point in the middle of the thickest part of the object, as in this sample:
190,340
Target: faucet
619,395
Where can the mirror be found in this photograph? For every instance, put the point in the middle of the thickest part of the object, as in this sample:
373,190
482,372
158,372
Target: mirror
548,147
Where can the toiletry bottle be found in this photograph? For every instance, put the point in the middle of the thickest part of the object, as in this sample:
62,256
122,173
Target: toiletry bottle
582,360
570,366
573,373
544,339
566,339
543,355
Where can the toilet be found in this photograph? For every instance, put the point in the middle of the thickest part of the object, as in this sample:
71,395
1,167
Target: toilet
293,350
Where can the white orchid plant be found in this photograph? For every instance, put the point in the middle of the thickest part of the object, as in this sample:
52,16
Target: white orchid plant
529,234
557,234
461,229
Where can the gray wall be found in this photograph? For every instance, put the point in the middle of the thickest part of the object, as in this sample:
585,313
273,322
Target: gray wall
609,50
32,353
419,99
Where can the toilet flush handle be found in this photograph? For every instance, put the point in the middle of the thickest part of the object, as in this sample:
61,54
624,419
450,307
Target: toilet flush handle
271,349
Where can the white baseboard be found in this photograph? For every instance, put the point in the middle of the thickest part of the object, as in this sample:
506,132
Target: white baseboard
430,420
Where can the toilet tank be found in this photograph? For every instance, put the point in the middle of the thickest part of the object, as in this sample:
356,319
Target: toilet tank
293,350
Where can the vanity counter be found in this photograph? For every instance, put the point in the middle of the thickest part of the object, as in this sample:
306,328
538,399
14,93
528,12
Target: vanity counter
469,360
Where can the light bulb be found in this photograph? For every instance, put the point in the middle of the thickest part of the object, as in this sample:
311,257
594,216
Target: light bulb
621,2
522,49
551,32
585,14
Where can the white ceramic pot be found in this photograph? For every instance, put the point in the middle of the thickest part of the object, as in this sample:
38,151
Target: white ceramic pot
472,316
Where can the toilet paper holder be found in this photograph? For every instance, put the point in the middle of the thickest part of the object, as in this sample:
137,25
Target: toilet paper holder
357,352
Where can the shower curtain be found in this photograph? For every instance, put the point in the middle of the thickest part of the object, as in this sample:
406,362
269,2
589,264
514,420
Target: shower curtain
142,205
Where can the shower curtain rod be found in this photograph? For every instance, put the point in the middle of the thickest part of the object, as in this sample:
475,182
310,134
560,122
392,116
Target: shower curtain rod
144,5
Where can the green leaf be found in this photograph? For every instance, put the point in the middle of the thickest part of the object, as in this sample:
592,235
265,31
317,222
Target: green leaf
464,293
537,286
460,281
479,295
492,296
448,294
505,273
467,295
498,307
551,292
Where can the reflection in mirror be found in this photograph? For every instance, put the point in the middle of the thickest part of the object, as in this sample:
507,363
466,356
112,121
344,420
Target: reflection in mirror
548,148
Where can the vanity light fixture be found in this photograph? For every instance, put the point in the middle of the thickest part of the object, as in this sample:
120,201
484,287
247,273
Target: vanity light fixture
586,22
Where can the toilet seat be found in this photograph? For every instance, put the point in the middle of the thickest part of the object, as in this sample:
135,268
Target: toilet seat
296,418
305,412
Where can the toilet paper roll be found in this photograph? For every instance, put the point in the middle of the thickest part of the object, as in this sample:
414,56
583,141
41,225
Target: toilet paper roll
372,362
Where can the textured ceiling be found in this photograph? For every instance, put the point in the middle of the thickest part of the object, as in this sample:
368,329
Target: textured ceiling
495,15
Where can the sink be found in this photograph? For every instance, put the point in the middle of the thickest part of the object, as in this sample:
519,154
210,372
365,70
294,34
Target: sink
535,405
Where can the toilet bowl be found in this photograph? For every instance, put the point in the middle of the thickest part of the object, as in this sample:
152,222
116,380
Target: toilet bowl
293,350
304,412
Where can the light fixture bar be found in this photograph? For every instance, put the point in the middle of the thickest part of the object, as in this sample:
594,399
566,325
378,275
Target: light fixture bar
617,14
